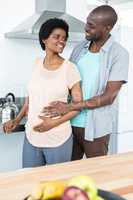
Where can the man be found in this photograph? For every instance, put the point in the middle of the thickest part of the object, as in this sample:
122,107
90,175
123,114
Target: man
103,65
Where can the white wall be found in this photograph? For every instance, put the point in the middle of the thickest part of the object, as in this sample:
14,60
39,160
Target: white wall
15,55
77,8
125,118
126,97
12,12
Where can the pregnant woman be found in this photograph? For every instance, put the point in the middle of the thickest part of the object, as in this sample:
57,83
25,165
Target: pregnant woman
49,140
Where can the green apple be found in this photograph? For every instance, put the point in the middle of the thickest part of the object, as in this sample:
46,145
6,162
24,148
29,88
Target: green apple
86,184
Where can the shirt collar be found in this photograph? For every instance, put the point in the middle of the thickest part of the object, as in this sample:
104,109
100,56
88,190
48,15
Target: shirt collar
108,44
105,47
87,44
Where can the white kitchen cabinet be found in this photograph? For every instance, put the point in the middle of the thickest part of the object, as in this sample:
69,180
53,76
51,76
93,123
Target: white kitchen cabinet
125,142
121,142
11,151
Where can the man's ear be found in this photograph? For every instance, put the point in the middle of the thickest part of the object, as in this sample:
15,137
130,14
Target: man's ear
109,28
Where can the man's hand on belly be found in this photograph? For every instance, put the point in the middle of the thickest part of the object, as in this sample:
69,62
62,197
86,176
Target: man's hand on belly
46,124
56,108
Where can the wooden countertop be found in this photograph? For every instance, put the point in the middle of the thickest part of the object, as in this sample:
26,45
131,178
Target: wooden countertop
113,173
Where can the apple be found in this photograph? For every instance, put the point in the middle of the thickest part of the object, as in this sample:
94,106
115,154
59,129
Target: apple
85,183
74,193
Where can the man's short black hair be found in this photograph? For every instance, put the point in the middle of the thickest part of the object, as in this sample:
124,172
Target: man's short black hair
108,13
48,26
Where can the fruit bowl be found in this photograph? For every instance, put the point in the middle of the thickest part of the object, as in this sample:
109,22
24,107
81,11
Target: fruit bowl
76,188
105,195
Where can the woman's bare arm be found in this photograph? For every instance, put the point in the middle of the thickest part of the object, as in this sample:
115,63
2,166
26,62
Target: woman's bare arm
23,111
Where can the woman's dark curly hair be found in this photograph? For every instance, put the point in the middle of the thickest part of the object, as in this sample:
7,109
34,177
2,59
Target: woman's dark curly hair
48,26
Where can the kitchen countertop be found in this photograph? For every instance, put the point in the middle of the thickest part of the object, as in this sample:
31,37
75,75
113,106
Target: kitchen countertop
113,173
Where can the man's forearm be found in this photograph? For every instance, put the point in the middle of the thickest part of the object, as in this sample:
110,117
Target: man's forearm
111,91
95,102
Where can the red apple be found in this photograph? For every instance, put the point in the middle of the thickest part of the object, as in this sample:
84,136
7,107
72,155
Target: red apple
86,184
74,193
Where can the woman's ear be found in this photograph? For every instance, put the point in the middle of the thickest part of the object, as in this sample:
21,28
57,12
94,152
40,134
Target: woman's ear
44,41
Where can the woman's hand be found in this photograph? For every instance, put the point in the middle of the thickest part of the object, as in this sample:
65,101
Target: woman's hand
46,125
10,125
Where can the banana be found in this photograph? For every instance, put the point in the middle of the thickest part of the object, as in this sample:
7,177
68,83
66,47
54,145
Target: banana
48,190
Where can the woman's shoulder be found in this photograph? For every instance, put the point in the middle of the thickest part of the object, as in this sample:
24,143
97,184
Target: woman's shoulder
38,61
71,68
70,64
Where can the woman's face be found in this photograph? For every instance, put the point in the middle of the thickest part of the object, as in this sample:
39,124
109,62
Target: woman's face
56,41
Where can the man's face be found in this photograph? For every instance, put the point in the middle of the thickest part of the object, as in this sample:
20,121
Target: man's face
95,29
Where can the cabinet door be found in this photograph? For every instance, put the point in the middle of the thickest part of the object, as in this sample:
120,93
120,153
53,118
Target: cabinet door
125,142
11,146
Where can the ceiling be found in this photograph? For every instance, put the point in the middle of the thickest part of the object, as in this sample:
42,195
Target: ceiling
115,1
121,4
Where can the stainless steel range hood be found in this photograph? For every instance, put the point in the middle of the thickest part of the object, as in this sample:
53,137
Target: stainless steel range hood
45,9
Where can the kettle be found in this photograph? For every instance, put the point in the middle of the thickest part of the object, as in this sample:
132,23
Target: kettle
10,109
